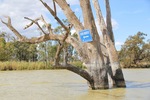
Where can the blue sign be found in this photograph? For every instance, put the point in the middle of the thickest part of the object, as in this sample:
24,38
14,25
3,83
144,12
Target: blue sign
85,36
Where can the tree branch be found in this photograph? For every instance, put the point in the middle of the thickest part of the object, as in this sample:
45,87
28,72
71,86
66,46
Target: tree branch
61,46
32,21
100,17
83,73
48,26
54,7
73,41
72,18
108,21
35,22
74,21
89,22
54,14
9,25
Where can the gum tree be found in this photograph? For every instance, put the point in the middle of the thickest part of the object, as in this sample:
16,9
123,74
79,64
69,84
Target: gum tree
99,56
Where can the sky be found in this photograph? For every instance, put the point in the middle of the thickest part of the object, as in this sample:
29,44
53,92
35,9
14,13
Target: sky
128,16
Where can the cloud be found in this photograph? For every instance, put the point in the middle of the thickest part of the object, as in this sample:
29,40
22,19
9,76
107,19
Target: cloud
73,2
77,10
18,9
73,31
119,43
115,24
0,29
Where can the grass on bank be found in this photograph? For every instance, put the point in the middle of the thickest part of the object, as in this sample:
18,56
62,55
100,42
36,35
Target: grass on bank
16,65
139,65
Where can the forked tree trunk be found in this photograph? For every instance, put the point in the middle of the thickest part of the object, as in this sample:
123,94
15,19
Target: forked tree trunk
108,39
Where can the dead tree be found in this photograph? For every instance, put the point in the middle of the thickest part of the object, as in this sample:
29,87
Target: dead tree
100,58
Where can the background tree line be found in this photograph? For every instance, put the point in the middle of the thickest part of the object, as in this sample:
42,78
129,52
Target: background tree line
135,52
12,50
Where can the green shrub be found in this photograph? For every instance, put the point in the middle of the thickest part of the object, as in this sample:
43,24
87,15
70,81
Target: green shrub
78,64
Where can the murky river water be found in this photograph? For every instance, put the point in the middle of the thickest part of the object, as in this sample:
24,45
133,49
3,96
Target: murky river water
65,85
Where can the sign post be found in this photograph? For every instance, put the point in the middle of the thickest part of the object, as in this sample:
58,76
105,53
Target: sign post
85,36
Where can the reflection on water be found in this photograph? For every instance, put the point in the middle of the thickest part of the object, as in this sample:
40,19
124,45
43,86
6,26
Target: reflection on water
65,85
132,84
113,94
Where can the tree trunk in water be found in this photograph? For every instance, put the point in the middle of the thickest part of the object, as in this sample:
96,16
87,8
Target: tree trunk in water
100,59
99,76
115,65
109,43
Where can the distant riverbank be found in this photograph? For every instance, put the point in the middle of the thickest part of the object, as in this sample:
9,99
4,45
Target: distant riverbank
22,65
141,65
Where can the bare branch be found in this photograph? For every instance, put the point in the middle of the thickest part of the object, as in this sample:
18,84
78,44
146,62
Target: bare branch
9,25
9,20
105,29
61,46
53,13
70,15
48,26
83,73
35,22
99,16
108,21
73,41
3,22
54,7
27,26
67,33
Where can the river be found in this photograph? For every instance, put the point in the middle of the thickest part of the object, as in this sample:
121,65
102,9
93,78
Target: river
65,85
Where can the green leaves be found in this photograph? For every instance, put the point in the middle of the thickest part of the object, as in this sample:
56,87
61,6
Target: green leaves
135,50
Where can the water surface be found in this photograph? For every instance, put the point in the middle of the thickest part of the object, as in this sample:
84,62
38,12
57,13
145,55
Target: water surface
65,85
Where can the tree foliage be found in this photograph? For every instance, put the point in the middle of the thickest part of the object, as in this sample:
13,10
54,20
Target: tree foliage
2,49
135,50
15,50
